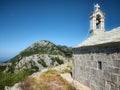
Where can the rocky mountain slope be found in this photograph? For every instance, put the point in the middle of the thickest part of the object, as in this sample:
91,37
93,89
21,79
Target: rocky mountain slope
39,55
47,79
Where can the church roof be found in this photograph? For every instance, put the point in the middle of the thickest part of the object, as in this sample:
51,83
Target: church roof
102,38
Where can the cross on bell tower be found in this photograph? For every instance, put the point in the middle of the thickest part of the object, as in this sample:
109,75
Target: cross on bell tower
96,21
96,7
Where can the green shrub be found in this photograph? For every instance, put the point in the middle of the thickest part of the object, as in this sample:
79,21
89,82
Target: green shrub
2,68
34,68
53,60
11,68
42,62
56,59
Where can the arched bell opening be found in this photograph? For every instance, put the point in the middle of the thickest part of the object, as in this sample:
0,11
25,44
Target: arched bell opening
98,21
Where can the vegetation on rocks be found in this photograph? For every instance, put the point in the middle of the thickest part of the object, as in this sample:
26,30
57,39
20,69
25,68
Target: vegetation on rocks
49,80
44,47
42,62
2,68
68,69
9,79
56,59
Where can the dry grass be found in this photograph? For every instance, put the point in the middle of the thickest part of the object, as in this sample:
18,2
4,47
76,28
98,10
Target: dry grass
49,80
68,69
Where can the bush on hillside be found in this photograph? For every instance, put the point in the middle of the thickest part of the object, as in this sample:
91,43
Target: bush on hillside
42,62
56,59
8,79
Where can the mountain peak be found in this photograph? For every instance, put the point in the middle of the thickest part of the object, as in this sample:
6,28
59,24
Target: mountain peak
40,43
45,51
44,42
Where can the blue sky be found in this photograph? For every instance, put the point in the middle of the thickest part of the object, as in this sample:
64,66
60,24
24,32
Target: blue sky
64,22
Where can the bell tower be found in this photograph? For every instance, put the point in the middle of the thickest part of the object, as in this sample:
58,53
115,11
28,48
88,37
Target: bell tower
96,21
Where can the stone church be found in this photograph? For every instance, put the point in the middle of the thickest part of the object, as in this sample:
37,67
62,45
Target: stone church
96,61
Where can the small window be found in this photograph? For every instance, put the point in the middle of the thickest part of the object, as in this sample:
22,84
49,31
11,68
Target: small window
100,65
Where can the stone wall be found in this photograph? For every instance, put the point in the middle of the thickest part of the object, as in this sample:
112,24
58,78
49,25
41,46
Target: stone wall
98,67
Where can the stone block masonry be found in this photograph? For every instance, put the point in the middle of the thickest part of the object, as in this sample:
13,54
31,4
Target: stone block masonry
98,66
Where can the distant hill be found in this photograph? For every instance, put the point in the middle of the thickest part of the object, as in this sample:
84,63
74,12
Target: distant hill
39,55
4,59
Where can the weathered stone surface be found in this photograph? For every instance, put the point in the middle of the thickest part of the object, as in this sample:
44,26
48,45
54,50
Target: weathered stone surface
86,69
